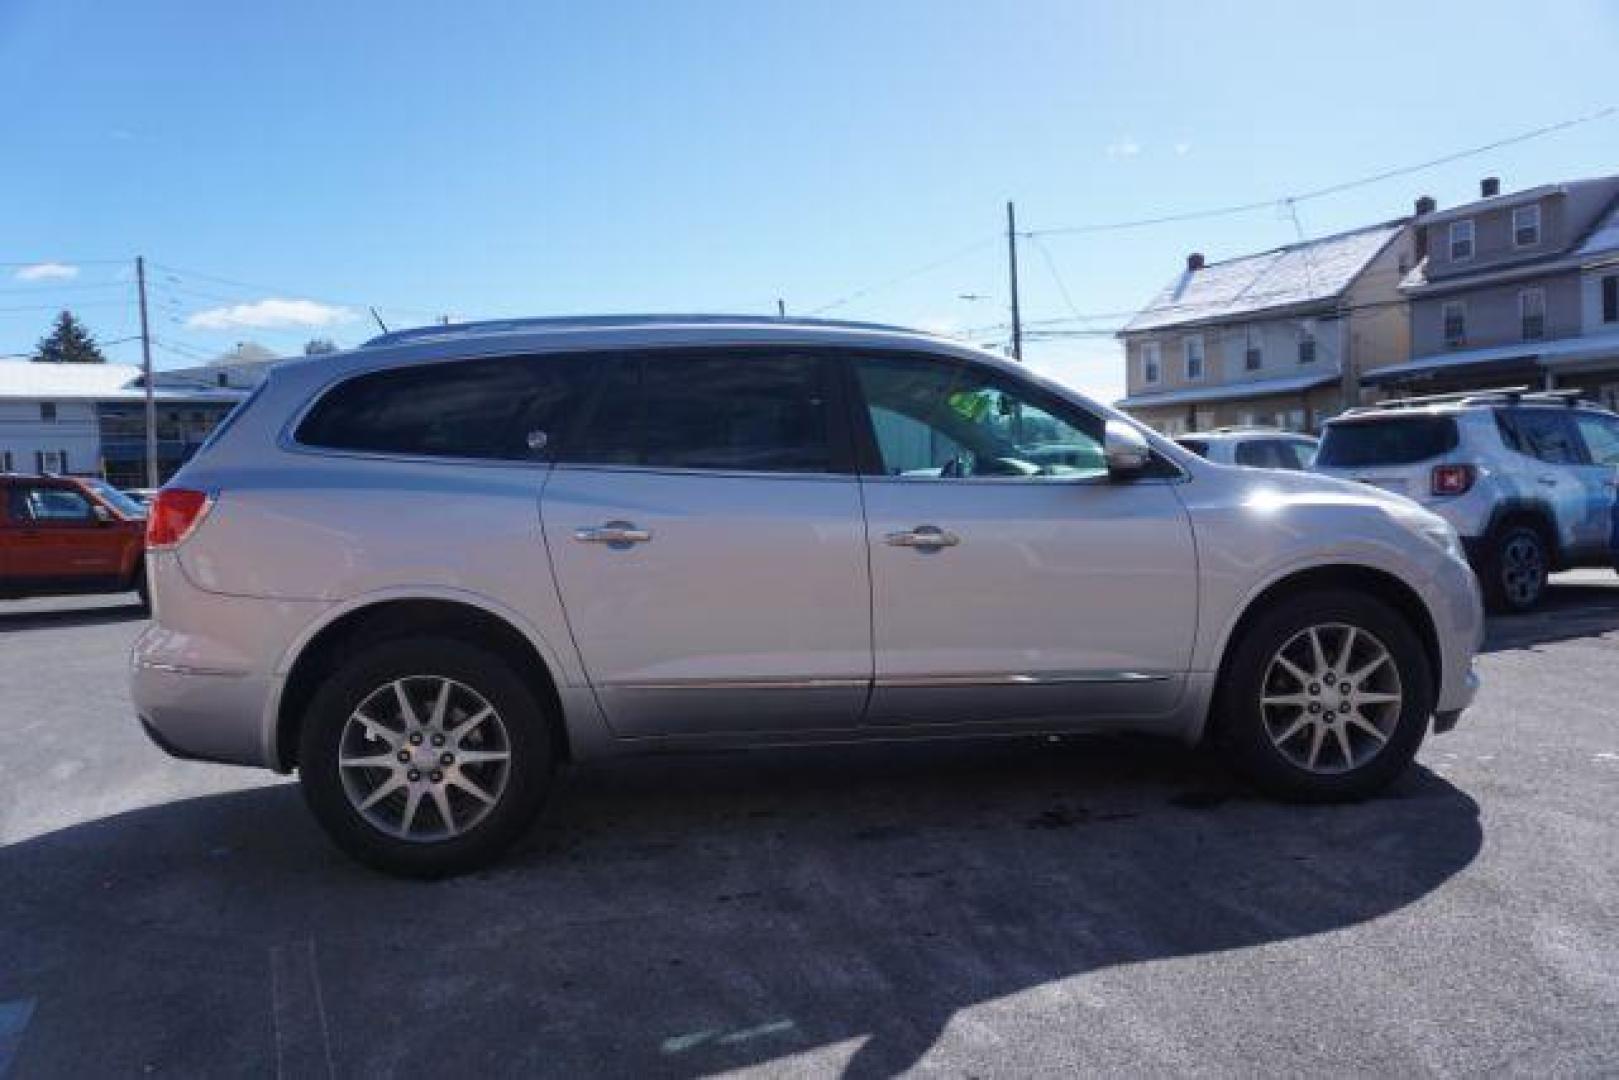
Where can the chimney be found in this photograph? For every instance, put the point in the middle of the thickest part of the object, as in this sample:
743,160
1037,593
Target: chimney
1489,187
1194,262
1426,205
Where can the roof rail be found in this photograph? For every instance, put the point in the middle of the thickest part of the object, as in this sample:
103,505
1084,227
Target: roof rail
1510,395
581,322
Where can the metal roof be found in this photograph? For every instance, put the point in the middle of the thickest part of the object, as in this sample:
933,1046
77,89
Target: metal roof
1247,388
1557,353
1311,272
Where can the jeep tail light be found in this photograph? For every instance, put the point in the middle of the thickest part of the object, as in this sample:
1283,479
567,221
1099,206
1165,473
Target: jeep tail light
174,515
1453,479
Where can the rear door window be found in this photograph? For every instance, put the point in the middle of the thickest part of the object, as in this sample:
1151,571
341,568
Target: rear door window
1601,435
1259,454
1394,440
726,410
508,408
1546,434
45,506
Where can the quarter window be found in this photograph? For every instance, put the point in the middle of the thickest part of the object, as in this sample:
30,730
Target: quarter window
1526,226
509,408
942,420
1601,435
734,411
1461,240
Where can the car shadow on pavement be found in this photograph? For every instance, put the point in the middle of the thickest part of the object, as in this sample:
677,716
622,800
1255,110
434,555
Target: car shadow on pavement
12,621
1569,610
685,916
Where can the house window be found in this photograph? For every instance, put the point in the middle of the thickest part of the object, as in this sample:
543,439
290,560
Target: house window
1526,226
1455,318
47,411
222,378
1192,350
1151,362
1532,313
51,462
1610,298
1306,347
1461,240
7,462
1252,358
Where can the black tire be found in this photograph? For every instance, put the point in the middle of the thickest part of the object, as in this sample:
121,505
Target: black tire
1241,732
530,770
1501,570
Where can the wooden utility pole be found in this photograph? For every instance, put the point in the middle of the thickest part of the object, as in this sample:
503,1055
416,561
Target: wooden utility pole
1011,263
146,378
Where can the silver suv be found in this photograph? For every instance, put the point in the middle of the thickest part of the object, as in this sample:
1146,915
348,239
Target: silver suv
427,572
1528,479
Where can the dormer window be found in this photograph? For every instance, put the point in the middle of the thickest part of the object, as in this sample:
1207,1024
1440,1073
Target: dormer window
1461,240
1526,226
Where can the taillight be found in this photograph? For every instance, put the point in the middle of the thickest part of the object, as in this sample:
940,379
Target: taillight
1453,479
174,515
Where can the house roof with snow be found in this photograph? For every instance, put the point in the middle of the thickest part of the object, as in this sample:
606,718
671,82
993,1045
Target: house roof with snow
27,380
1311,272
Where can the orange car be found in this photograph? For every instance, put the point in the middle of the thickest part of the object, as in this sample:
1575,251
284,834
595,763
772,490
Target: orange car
67,535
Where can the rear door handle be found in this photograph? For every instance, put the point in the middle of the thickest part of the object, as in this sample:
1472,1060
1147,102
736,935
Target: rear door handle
1549,481
614,532
923,536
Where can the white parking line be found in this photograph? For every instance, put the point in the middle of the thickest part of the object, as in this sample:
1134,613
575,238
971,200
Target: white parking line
303,1043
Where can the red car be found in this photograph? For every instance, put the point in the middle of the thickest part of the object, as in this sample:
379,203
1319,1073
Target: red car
68,535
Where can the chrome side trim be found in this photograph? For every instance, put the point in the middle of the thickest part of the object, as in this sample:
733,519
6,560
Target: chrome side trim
908,682
1055,678
184,669
742,684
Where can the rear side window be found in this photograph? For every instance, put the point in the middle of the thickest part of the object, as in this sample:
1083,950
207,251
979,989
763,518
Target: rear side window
1394,440
509,408
1546,434
733,410
1196,446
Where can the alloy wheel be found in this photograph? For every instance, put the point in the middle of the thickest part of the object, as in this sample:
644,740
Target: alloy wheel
1331,698
424,758
1523,569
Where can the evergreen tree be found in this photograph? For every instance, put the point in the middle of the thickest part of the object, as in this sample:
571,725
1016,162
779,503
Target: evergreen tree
319,346
68,343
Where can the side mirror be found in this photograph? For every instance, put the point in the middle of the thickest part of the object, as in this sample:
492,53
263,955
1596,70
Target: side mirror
1126,451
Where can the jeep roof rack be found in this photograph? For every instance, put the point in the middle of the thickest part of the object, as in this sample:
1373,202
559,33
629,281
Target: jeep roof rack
1509,395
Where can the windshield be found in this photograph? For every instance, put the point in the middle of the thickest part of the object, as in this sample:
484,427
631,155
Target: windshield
116,499
1395,440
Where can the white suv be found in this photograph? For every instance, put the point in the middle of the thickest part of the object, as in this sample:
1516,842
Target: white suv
1255,447
426,572
1528,479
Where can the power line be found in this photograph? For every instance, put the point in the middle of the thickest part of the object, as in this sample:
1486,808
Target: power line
954,256
1335,189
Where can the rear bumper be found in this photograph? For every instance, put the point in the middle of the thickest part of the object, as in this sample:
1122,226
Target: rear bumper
204,676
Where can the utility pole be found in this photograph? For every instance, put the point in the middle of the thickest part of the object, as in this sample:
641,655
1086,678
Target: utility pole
146,377
1011,262
781,309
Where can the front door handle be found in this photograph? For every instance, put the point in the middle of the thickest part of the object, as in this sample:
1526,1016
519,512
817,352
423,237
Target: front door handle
923,536
614,532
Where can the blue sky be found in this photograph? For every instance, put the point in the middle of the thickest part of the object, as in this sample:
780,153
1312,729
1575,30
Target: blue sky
494,159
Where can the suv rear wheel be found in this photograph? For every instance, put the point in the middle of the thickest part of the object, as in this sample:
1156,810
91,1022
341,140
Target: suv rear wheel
425,757
1514,569
1326,697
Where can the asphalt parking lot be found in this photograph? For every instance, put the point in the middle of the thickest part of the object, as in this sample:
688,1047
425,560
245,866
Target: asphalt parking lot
1095,906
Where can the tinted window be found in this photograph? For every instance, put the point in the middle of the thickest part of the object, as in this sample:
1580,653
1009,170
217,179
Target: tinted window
1546,434
1197,446
735,410
1297,454
932,418
508,408
1601,435
1395,440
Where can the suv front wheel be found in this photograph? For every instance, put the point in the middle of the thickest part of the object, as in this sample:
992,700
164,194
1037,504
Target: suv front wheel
425,757
1326,697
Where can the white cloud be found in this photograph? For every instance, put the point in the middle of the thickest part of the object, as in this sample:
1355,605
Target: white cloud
1182,149
48,271
1123,147
271,313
